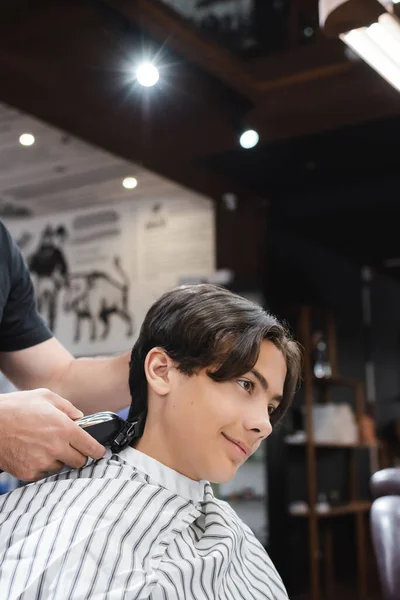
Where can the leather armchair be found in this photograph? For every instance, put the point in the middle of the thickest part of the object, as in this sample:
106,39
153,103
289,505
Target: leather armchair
385,527
386,483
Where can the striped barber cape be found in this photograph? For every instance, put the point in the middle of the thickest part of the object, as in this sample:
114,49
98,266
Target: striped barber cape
128,528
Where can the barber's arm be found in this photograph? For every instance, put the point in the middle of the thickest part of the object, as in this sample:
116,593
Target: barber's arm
90,384
31,357
37,430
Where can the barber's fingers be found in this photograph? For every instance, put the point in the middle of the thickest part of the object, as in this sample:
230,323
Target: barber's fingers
64,405
51,469
84,443
73,458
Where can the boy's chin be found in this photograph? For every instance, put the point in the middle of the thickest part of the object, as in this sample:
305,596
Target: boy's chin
222,477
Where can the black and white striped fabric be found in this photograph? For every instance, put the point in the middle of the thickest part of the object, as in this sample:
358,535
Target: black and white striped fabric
124,528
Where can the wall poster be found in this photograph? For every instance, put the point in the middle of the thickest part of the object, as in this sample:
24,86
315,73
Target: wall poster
96,272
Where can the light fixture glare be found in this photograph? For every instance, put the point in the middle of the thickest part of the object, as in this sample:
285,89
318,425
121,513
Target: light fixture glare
147,74
129,183
27,139
379,46
249,139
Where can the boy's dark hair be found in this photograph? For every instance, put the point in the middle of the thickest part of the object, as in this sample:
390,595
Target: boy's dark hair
201,326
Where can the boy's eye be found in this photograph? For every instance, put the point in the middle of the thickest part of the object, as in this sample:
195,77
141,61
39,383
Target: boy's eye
246,385
271,409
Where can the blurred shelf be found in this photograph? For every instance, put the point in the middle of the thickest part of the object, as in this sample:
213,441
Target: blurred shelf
332,445
338,381
336,511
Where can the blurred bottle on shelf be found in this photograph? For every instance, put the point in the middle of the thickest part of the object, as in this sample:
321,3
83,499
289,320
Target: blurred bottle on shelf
320,357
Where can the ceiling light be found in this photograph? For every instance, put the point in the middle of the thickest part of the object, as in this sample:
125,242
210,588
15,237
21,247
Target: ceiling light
129,183
147,74
379,46
249,139
370,29
27,139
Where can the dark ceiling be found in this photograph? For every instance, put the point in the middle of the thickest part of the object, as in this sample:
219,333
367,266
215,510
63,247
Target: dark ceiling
327,162
358,154
339,188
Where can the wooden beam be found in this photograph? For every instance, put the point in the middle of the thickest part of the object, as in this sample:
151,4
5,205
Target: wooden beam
169,28
31,19
249,78
354,96
305,58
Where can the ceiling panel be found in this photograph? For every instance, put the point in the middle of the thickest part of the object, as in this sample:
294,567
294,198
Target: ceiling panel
60,172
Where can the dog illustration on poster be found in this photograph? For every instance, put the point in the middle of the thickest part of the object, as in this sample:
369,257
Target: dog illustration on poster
94,297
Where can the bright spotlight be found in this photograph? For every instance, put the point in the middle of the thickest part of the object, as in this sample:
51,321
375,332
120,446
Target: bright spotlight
249,139
129,183
27,139
147,74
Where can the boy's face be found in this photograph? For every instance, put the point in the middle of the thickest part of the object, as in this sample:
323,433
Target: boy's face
207,430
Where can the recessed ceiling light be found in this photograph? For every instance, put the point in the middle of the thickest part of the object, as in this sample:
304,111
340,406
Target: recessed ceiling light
129,183
249,139
147,74
27,139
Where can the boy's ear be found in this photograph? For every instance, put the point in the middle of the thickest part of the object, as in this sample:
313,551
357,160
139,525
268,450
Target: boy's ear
157,367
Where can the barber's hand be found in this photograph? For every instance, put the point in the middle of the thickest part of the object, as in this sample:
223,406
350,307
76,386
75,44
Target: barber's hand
38,435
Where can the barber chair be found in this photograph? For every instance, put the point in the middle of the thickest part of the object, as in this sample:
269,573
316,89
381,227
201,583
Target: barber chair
385,526
385,482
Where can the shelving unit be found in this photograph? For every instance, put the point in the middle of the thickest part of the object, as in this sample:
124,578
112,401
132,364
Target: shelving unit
330,444
346,509
320,523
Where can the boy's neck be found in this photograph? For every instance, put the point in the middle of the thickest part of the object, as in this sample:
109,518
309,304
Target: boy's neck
154,444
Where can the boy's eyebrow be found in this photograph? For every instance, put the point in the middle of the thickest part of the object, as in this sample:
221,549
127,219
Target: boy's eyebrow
264,383
261,379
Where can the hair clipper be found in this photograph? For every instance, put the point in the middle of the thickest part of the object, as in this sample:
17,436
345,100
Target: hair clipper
110,430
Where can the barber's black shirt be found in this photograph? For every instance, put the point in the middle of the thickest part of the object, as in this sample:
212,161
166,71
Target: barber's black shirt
20,324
